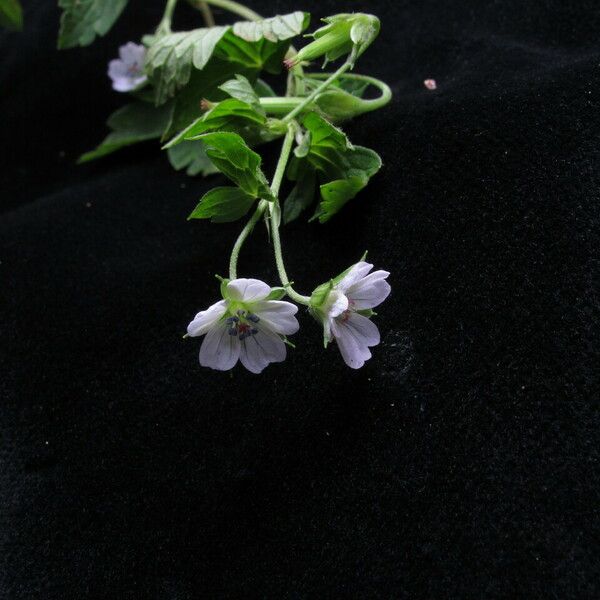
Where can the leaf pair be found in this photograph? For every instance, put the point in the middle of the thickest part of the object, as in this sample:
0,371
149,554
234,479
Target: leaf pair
344,168
230,155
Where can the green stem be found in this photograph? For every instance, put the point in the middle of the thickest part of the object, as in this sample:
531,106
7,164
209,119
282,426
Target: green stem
369,105
204,8
275,215
258,213
236,8
333,77
167,18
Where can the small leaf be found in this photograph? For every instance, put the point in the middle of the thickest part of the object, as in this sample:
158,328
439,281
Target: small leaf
274,29
228,115
241,89
11,14
233,157
192,157
336,193
132,123
301,196
83,20
223,205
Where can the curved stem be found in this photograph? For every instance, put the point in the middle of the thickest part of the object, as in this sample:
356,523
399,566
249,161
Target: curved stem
275,216
236,8
316,92
165,22
258,213
373,104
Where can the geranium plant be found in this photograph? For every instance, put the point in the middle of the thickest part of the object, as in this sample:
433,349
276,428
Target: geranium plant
202,94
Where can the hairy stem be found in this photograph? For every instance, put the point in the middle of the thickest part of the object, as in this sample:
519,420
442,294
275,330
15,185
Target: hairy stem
275,216
204,8
333,77
235,8
165,22
370,105
258,213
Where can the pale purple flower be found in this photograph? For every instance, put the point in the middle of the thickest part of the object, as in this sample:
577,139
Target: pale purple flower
346,312
127,71
247,325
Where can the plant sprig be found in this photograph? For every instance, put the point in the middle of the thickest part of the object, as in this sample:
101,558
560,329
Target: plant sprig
202,94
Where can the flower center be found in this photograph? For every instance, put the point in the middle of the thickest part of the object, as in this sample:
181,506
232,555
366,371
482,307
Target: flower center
346,314
242,324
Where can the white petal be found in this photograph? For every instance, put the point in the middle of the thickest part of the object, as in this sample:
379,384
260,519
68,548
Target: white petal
369,291
258,350
220,350
336,304
357,272
354,353
278,315
363,329
205,319
248,290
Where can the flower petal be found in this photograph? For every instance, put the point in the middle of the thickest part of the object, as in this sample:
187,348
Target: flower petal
258,350
336,304
369,291
133,54
117,69
248,290
205,319
354,353
220,350
278,315
363,329
357,272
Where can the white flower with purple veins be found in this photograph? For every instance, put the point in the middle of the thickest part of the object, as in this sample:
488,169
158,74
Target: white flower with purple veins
249,324
345,305
127,71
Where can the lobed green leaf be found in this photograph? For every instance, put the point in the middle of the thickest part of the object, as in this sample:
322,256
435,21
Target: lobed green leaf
130,124
231,155
83,20
191,156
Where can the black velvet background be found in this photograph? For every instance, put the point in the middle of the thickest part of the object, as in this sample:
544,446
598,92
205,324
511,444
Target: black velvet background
461,462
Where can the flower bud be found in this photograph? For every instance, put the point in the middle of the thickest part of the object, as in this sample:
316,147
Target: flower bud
346,33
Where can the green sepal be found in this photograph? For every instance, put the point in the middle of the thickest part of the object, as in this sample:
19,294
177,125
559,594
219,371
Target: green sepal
287,342
321,293
345,33
223,287
277,293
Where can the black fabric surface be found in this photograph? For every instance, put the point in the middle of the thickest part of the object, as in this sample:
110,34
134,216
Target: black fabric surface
461,462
